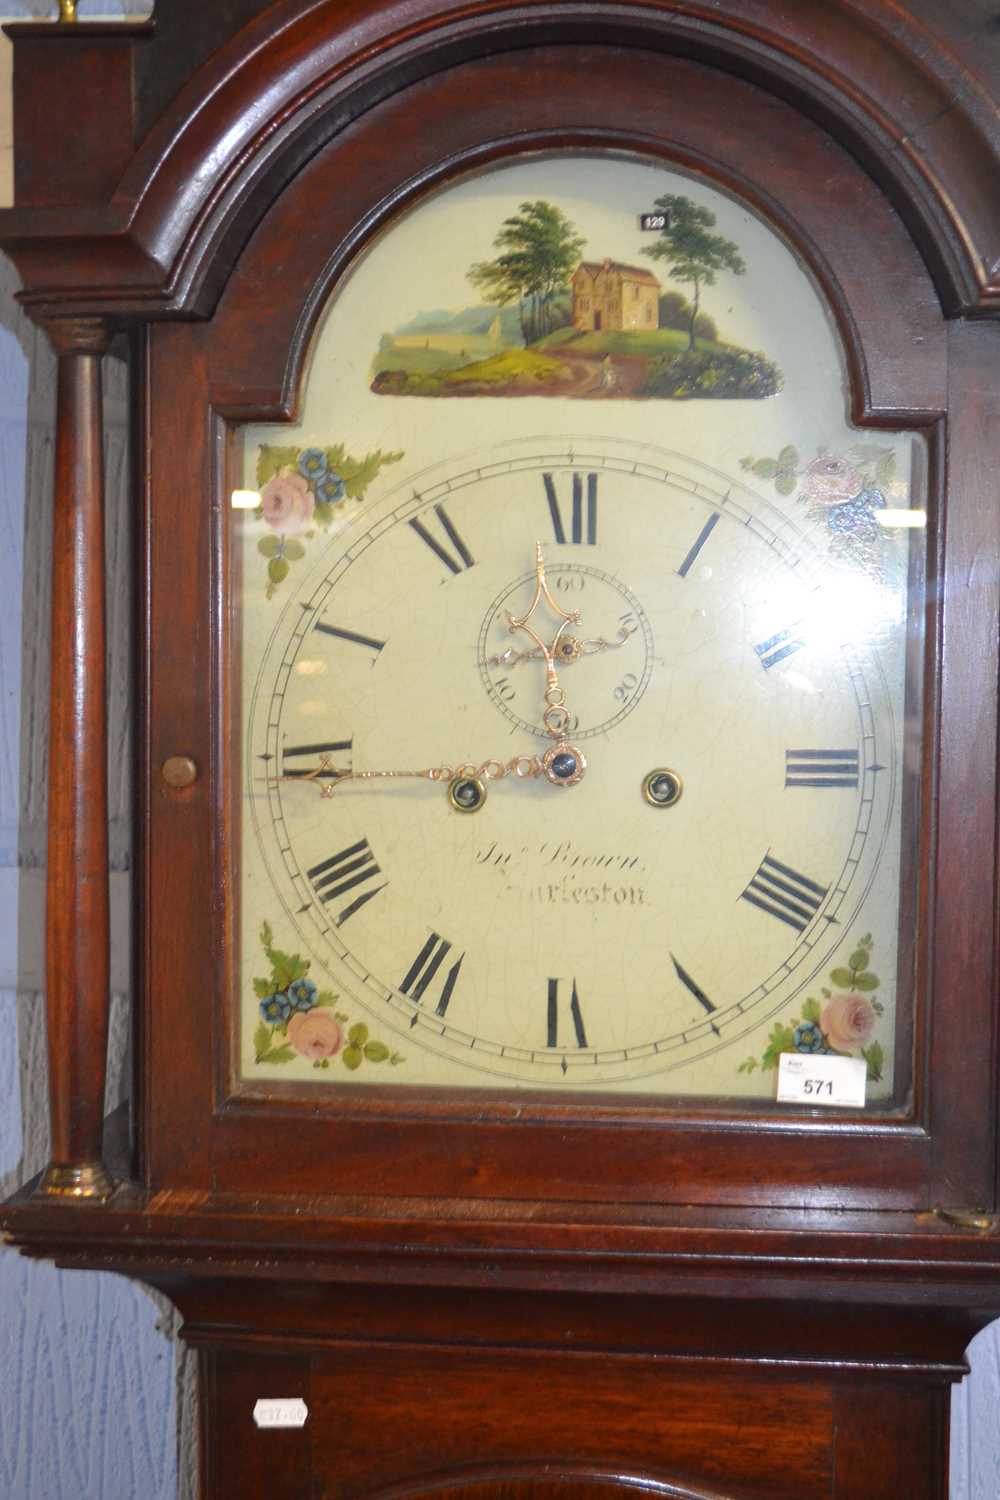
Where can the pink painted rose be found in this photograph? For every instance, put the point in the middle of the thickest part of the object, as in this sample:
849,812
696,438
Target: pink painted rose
847,1021
288,503
315,1034
831,481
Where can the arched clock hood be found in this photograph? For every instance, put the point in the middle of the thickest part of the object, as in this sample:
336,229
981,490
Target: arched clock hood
171,200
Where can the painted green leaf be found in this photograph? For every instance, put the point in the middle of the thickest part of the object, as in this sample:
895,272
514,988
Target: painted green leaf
266,935
268,546
326,997
358,1034
788,458
358,475
842,978
376,1052
264,988
859,958
785,483
885,469
874,1057
271,461
294,551
261,1040
279,1055
277,570
287,968
782,1039
878,1007
324,513
747,1065
865,982
765,467
352,1057
811,1010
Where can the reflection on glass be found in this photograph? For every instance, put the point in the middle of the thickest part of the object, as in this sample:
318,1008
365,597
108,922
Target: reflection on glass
739,564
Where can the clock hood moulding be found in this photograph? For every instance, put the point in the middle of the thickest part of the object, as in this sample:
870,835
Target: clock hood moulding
164,240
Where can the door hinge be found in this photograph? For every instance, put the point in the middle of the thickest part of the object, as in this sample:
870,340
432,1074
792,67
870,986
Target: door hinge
970,1218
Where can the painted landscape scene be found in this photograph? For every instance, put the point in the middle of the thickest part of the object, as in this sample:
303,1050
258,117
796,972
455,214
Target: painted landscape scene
554,318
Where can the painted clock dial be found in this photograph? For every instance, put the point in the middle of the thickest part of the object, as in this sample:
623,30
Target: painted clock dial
593,443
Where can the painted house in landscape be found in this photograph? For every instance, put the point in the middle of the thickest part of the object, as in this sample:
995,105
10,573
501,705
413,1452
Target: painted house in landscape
610,296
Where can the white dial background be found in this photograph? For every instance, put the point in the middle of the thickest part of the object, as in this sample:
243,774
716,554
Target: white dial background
747,645
680,928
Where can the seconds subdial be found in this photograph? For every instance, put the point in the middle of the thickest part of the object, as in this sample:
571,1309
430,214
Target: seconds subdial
608,656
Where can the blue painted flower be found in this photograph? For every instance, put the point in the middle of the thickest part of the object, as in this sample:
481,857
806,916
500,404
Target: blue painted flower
312,463
808,1037
330,487
872,498
276,1008
302,994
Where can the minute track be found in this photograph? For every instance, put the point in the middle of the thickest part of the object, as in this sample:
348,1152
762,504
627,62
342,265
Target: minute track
495,1050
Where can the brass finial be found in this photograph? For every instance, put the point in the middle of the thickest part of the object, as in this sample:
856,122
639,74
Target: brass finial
67,10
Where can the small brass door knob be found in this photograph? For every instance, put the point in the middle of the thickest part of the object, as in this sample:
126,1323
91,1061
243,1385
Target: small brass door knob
179,771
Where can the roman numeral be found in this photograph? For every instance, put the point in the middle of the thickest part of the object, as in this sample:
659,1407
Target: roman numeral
552,1016
455,565
343,872
577,526
771,651
692,987
783,893
350,635
700,540
424,967
326,770
821,768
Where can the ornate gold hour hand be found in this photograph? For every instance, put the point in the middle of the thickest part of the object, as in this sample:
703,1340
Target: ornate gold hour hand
555,718
565,764
561,765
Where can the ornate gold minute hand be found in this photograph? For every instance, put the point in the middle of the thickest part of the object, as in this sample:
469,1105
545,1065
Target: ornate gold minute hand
561,765
466,781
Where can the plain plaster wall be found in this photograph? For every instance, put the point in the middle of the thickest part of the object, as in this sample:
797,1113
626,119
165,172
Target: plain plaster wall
96,1393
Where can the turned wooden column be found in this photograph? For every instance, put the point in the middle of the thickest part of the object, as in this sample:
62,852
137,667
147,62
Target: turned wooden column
77,941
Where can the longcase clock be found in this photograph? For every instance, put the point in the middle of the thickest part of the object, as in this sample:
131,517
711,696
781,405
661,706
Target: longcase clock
565,1040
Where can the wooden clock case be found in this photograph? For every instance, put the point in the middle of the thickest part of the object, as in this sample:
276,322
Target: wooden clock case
505,1297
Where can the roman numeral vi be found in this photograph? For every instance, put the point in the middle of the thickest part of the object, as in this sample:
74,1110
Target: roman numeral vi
552,1017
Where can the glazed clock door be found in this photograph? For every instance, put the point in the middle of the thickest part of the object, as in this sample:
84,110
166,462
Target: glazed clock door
575,714
576,733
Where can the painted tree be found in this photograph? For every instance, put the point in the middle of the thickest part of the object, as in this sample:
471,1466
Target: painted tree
540,249
694,255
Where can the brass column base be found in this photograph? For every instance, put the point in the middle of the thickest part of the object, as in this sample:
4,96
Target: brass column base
88,1182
